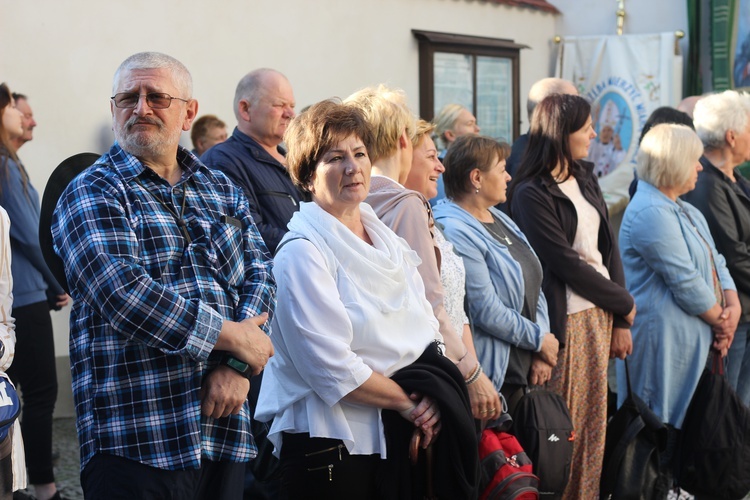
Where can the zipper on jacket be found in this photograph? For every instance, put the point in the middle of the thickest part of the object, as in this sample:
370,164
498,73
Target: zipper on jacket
332,448
330,471
278,194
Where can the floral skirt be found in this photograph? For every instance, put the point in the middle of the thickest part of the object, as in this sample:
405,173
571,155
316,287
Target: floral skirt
580,377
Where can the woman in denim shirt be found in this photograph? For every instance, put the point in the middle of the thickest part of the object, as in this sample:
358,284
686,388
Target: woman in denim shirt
503,274
685,297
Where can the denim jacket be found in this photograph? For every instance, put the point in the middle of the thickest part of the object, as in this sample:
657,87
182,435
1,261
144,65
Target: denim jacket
494,289
668,269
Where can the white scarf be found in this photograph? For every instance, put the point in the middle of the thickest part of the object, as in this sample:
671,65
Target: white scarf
378,270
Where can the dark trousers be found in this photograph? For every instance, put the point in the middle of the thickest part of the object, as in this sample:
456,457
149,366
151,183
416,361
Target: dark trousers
109,477
320,468
33,372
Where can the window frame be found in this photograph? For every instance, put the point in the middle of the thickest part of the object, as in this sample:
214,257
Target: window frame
433,41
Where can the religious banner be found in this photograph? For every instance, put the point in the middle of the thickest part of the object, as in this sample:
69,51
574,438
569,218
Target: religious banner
625,78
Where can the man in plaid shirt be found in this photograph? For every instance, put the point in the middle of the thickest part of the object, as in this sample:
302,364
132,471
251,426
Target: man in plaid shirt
172,289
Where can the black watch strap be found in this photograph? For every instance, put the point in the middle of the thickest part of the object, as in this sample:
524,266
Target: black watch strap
235,364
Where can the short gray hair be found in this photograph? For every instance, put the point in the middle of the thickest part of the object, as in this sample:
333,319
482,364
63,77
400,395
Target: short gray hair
156,60
250,88
716,114
546,87
667,155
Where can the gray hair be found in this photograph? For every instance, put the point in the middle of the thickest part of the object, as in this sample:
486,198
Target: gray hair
546,87
156,60
667,155
250,88
446,119
716,114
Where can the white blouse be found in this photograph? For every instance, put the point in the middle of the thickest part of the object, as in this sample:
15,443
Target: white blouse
586,241
344,309
453,277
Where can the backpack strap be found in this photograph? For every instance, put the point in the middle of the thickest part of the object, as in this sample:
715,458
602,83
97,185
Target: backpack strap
285,241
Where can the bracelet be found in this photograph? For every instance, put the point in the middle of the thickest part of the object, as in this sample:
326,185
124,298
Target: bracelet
462,357
474,375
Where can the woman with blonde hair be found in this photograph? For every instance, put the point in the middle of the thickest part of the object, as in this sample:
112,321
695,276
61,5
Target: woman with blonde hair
408,214
686,298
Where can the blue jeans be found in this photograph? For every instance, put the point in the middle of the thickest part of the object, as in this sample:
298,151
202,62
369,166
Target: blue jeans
738,362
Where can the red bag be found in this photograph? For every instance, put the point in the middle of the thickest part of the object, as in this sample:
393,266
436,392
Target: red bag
505,468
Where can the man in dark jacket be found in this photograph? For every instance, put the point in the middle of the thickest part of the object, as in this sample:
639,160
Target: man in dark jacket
253,158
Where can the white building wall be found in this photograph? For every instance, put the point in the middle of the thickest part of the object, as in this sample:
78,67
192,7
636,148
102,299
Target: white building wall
63,53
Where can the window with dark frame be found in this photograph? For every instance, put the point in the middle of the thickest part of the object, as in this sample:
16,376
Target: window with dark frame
479,73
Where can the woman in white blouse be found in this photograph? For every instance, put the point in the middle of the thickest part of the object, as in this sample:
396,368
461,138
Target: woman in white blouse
351,312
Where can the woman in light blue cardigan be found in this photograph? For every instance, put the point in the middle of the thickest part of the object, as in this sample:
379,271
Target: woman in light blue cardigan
685,297
503,274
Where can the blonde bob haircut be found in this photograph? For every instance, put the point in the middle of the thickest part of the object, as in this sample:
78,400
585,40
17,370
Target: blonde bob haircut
668,154
388,115
316,131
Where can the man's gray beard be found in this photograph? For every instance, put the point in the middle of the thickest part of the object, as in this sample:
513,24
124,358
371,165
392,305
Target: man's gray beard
146,145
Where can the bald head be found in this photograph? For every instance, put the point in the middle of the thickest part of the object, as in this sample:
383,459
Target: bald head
545,87
687,105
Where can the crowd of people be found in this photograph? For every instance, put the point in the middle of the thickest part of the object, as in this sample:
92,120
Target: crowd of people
374,298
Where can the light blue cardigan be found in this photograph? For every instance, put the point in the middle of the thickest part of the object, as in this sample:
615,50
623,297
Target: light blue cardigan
494,289
668,272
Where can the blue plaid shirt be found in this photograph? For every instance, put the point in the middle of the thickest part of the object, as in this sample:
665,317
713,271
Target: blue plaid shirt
149,305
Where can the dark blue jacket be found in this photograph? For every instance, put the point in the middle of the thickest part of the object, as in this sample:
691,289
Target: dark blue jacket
266,183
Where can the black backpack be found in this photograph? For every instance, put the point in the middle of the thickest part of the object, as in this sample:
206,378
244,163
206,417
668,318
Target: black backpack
715,454
541,422
635,436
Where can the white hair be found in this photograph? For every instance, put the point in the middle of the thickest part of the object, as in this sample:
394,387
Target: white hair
716,114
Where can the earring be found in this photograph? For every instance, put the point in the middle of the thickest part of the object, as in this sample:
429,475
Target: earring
476,190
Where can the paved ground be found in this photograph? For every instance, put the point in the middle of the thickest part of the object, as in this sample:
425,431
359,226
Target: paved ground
67,466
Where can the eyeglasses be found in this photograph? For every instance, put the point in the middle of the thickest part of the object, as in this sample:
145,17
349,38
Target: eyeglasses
155,100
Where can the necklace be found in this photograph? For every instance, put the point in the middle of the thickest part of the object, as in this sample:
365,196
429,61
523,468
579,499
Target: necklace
503,236
178,218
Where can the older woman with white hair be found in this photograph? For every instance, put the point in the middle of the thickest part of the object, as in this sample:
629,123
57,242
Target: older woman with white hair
685,296
722,122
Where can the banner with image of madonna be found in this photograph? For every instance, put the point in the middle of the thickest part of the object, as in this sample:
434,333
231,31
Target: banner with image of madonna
624,78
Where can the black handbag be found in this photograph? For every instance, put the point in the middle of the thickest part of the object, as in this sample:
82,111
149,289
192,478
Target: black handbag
635,437
715,446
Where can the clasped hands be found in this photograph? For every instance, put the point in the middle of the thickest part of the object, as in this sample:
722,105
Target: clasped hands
724,329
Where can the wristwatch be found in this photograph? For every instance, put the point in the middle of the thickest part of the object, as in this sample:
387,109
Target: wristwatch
235,364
